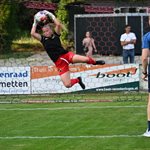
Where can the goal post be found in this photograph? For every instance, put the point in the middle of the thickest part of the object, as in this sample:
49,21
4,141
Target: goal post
106,29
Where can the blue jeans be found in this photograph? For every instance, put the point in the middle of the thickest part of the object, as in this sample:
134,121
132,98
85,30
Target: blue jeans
128,54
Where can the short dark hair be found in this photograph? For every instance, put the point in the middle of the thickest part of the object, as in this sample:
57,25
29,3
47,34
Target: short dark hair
127,25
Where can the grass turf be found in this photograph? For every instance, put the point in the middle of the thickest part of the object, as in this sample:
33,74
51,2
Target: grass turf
73,119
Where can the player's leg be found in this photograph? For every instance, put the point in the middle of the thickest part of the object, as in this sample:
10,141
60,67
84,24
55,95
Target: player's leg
84,59
148,112
89,52
65,77
62,65
147,133
68,82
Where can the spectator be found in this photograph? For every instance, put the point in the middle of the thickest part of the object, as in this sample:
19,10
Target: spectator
128,41
89,44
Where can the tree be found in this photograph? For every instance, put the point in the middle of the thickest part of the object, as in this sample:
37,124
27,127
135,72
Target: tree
63,16
8,25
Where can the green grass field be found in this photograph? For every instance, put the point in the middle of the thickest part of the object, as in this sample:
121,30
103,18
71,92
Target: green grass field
74,126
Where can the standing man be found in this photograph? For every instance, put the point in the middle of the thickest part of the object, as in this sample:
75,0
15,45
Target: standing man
128,41
146,73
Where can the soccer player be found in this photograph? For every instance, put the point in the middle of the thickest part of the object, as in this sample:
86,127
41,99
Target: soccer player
146,73
128,41
61,57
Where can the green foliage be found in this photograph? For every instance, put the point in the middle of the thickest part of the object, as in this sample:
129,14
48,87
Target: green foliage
8,25
4,37
63,16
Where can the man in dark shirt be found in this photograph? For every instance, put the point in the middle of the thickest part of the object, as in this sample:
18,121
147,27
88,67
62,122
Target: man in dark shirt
61,57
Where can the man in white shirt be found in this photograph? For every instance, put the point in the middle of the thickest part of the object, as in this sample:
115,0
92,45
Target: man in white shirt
128,41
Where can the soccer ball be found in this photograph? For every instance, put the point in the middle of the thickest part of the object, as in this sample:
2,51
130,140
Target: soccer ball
41,17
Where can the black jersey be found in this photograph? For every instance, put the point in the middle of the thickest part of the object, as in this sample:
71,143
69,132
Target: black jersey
53,46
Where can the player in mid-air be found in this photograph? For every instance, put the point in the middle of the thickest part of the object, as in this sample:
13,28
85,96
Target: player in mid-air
61,57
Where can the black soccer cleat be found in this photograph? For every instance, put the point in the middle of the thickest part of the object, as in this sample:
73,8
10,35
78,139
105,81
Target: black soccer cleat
81,83
100,62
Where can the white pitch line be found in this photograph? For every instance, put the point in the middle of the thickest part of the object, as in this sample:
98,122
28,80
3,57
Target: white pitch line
68,108
71,137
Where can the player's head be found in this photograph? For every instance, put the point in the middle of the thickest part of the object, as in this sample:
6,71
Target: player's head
47,30
127,28
88,34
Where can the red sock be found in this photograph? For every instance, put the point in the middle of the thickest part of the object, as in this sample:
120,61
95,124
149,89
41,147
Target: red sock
91,61
74,81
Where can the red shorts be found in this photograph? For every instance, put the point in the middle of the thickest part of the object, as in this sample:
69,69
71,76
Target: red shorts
63,62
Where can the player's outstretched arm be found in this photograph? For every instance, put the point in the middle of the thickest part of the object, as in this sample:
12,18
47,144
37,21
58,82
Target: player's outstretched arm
34,34
58,25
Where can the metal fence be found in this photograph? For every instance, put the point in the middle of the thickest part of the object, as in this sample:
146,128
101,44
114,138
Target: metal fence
106,29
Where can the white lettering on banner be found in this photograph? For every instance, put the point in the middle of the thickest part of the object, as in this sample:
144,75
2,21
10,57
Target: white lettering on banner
118,89
113,80
43,69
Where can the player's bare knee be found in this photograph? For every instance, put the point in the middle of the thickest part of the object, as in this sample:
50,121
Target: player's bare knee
67,85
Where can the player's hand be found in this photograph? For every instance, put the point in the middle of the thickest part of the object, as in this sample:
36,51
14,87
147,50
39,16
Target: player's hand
49,14
35,21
